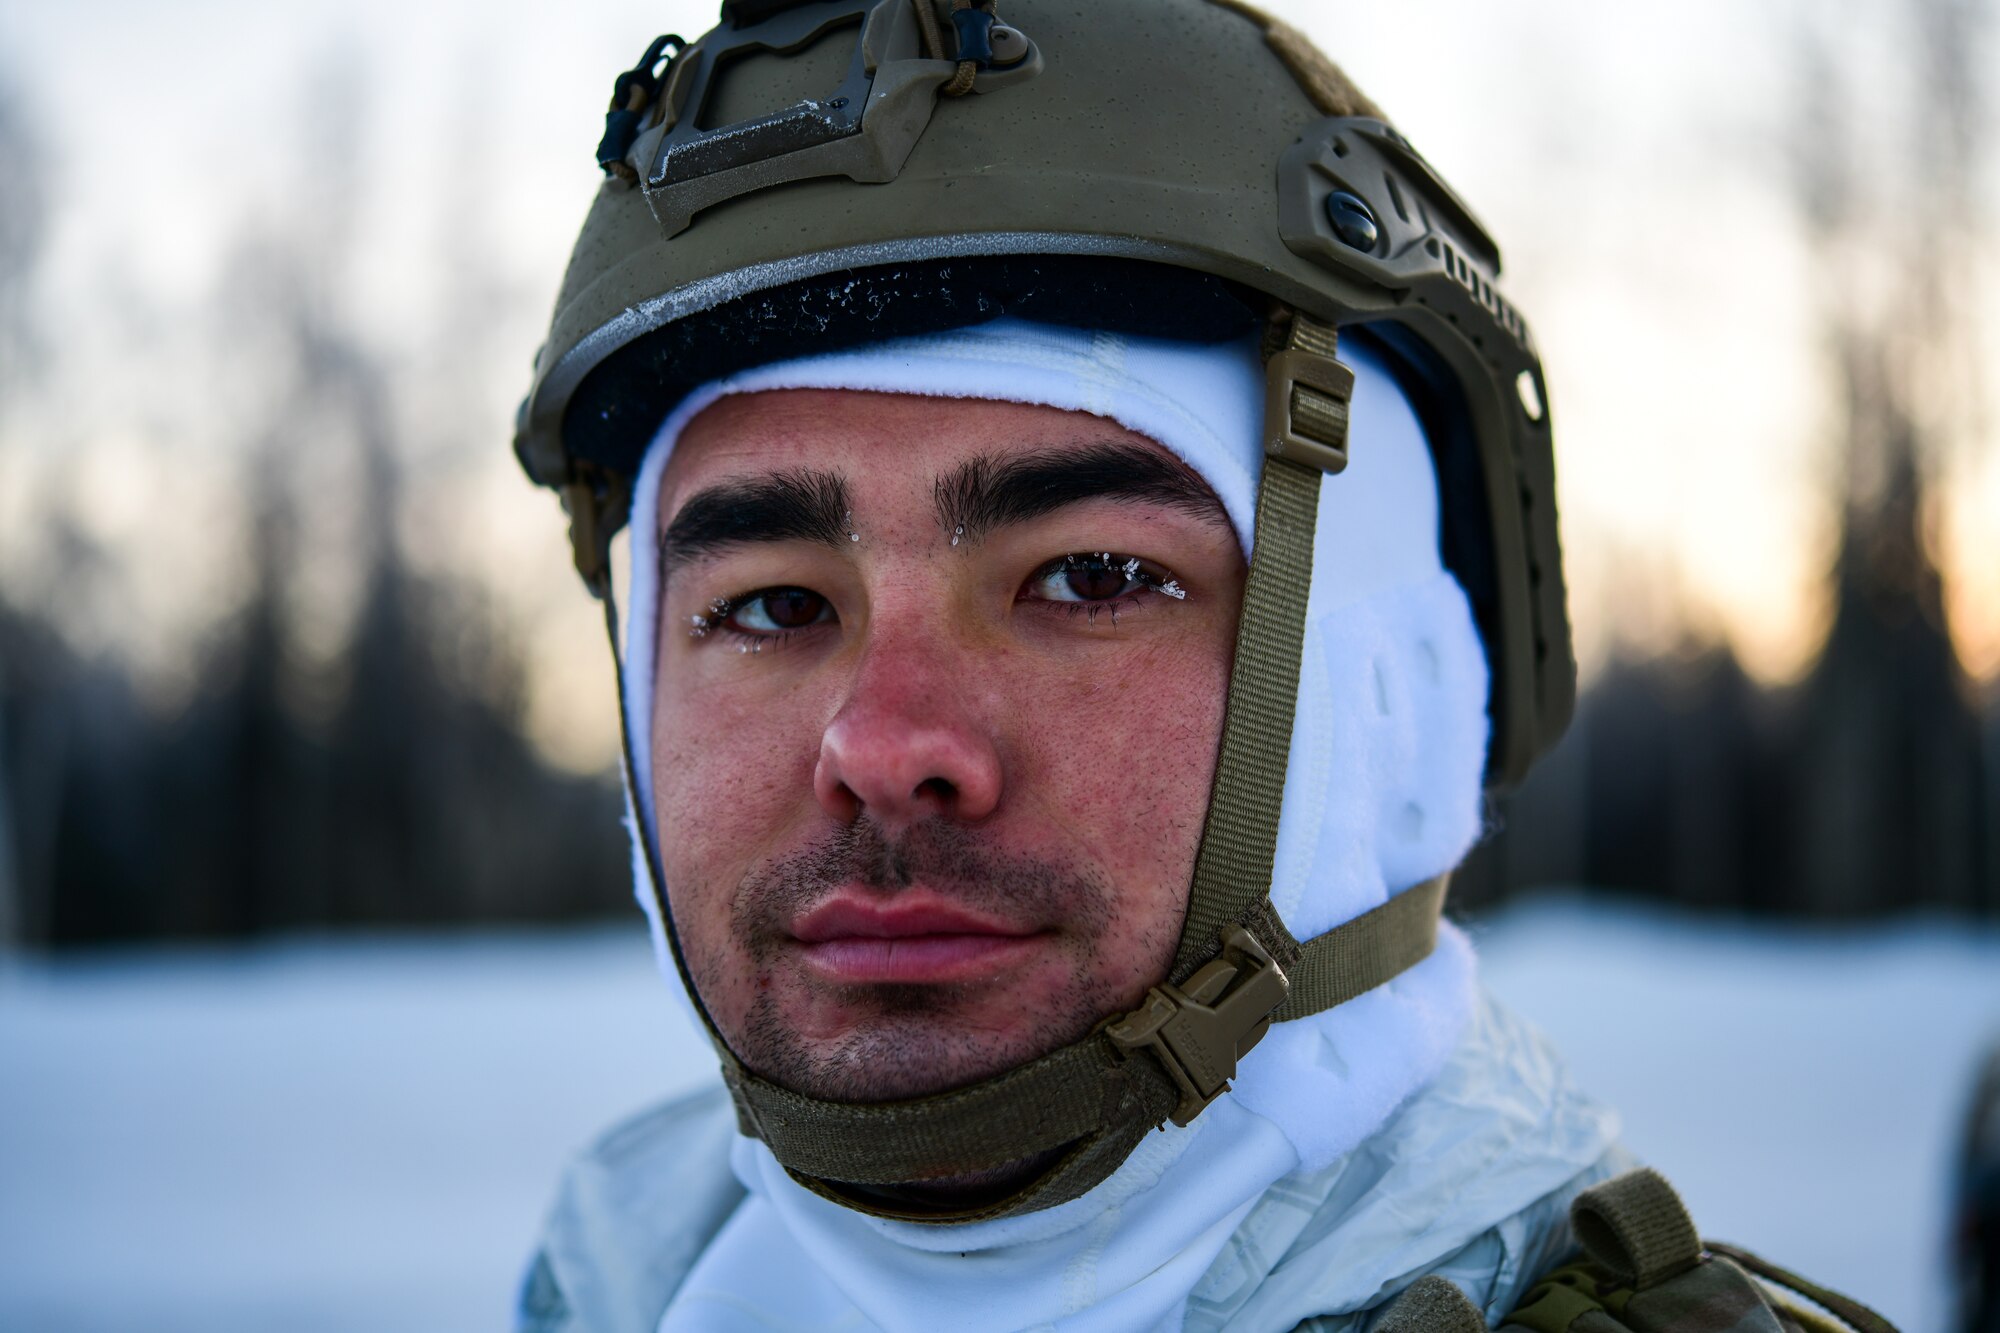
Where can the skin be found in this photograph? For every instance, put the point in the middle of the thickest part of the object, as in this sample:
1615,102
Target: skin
944,739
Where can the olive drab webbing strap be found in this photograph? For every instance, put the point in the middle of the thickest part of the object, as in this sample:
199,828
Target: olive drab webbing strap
1646,1270
1845,1308
1232,872
1237,968
1048,1103
1636,1228
1307,397
1381,944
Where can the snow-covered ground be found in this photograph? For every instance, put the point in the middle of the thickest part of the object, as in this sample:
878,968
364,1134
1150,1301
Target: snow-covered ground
360,1135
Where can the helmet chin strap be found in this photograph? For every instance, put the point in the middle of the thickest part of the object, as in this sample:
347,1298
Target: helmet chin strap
1237,968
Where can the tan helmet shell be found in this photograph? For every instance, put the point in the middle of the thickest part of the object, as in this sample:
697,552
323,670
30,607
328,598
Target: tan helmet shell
1194,133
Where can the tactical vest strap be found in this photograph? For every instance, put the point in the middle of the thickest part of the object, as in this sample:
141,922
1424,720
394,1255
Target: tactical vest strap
1846,1308
1636,1228
1647,1271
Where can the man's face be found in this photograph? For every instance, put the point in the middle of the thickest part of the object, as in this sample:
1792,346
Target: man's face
940,688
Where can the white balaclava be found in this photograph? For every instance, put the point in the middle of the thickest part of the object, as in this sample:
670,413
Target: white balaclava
1382,790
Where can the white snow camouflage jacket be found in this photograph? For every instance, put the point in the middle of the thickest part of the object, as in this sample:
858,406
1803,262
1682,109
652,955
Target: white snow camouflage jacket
1470,1179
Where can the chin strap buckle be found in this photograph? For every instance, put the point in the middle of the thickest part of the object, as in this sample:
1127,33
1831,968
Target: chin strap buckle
1200,1029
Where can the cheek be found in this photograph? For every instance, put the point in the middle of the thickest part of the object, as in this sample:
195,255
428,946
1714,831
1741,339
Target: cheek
1123,761
730,777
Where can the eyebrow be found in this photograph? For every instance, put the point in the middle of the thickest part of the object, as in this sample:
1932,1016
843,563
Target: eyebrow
986,492
784,506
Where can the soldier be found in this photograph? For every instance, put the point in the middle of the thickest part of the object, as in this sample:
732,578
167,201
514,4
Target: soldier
1093,546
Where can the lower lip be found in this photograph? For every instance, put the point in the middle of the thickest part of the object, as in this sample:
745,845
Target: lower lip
916,959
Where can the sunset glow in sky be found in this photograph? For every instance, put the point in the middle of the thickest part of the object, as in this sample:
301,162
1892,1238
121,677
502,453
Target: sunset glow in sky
1627,157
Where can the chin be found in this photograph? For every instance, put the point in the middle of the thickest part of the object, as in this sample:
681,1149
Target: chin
912,1045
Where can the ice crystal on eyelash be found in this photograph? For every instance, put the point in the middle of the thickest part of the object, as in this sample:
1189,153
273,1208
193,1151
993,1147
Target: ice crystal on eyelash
1132,567
1173,589
701,623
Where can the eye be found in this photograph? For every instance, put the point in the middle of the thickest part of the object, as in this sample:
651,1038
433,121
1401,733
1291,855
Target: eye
777,610
1098,576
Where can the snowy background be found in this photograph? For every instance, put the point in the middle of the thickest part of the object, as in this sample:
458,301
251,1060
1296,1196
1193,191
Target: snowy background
362,1134
314,325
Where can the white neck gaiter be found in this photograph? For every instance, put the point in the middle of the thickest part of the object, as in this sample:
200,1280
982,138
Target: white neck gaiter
1382,790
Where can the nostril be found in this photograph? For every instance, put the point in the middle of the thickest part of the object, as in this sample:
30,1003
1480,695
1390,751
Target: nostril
938,789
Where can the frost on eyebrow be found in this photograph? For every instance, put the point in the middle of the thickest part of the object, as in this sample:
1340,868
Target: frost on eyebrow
988,492
802,505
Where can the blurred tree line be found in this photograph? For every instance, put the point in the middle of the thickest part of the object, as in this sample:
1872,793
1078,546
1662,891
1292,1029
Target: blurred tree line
1873,785
391,783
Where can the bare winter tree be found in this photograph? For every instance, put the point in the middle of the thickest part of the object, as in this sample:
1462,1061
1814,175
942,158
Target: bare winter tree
23,223
1867,788
1890,799
354,753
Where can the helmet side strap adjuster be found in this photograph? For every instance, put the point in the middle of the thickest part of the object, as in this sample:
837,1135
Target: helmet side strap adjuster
1307,394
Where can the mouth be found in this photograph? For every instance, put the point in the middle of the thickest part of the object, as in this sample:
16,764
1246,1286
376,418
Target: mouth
917,938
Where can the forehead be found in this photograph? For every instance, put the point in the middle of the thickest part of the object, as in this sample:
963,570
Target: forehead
863,434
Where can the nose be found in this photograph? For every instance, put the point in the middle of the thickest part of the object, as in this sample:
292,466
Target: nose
908,744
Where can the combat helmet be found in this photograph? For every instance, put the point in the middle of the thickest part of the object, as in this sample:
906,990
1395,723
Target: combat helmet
813,174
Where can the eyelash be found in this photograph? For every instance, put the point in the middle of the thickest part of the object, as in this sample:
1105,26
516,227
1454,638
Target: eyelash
722,609
1150,579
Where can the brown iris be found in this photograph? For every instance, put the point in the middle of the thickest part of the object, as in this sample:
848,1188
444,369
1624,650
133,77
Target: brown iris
1095,578
778,609
792,608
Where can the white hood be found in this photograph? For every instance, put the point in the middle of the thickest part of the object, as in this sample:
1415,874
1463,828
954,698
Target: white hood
1383,789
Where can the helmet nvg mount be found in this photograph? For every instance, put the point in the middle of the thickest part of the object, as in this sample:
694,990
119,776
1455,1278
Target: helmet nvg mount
817,173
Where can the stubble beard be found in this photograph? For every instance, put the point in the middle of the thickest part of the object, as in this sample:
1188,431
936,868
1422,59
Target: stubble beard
912,1040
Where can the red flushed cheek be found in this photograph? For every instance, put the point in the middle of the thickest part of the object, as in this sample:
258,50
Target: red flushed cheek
1123,762
732,778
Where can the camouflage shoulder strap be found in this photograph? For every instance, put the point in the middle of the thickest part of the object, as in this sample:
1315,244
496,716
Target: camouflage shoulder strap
1645,1270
